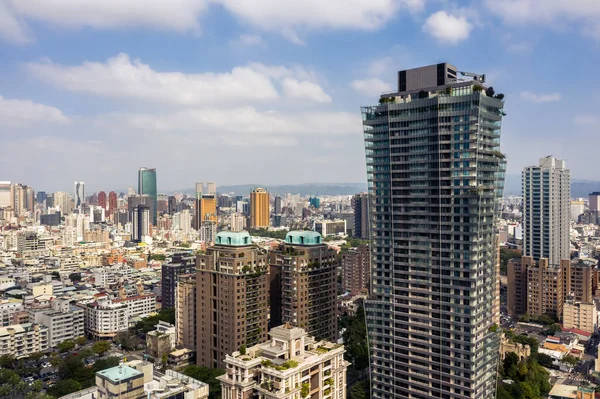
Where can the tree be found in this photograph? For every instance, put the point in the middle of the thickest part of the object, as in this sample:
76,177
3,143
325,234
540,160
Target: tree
75,277
103,364
164,360
360,390
148,323
100,347
490,92
6,361
570,359
159,257
208,376
85,353
66,346
553,329
64,387
127,340
243,350
544,360
37,385
80,341
507,254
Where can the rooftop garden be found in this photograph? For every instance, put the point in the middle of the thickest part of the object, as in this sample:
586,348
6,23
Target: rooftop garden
288,364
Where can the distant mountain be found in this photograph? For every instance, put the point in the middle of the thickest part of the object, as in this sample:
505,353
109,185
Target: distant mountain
579,188
302,189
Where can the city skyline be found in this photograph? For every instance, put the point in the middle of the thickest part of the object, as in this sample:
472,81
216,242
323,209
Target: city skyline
292,88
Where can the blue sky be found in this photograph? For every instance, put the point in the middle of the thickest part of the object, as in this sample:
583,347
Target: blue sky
269,91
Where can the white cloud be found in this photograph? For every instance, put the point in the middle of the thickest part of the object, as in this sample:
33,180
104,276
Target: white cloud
304,91
250,40
371,86
552,13
122,77
540,98
24,113
448,28
284,17
586,120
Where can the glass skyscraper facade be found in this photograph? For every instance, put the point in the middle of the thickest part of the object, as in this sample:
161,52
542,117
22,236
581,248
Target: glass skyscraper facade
435,175
147,185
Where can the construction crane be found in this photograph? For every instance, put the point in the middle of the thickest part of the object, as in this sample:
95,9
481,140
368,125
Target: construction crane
479,78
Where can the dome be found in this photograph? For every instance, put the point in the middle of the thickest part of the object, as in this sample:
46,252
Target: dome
235,239
303,238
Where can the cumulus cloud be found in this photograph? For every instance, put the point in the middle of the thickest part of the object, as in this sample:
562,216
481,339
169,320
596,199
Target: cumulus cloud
122,77
448,28
249,40
586,120
25,113
304,90
540,98
371,86
285,17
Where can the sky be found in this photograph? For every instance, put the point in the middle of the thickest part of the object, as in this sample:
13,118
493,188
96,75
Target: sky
269,91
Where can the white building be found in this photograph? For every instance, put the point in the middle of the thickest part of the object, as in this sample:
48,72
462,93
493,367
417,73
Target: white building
103,318
139,305
21,340
8,309
238,222
61,325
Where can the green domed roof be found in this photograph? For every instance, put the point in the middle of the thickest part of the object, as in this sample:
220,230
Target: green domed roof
234,239
303,238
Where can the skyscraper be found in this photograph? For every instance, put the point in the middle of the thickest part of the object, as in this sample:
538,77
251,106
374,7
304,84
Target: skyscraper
435,175
141,223
360,204
102,200
181,263
546,207
206,204
5,194
303,284
277,205
79,194
112,202
232,298
259,208
147,185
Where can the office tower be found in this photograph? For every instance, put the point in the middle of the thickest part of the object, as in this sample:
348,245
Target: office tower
355,269
112,202
259,208
224,201
140,223
360,204
40,197
172,204
5,194
206,204
232,298
303,284
315,202
594,205
435,175
147,185
290,365
185,311
242,207
102,200
79,194
181,263
63,201
546,198
577,208
277,205
238,222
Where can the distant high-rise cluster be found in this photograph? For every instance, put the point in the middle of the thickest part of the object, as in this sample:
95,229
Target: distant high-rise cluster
147,186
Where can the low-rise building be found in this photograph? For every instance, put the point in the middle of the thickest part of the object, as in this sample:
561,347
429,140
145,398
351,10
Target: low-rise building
290,365
61,325
104,318
21,340
8,309
122,382
139,305
160,341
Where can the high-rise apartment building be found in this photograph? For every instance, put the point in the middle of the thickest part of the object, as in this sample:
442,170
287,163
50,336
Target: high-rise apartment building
147,185
79,194
232,298
180,264
355,269
5,194
206,204
102,200
360,204
140,223
259,208
185,311
303,284
546,199
112,202
63,201
594,204
435,176
238,222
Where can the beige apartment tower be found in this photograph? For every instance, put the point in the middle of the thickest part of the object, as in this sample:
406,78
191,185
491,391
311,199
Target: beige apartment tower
232,296
580,315
259,208
303,285
185,311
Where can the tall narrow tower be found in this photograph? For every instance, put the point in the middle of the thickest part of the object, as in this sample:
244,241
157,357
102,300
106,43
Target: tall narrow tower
259,208
79,194
435,175
206,204
546,206
147,185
